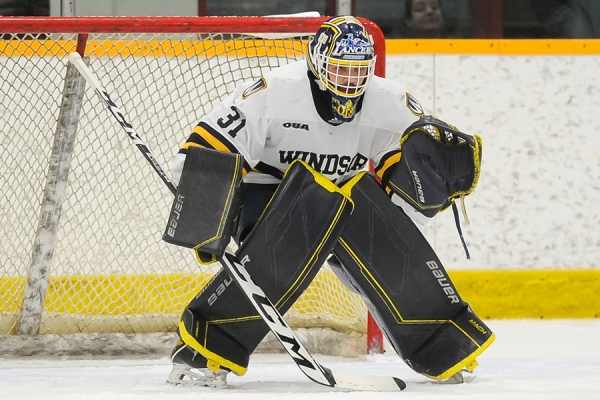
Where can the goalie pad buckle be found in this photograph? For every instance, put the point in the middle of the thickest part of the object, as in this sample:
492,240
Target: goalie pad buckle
438,164
205,209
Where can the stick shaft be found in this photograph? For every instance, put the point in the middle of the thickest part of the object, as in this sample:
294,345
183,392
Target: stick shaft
121,118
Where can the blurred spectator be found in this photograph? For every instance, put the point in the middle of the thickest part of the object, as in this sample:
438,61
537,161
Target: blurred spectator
420,19
424,19
565,18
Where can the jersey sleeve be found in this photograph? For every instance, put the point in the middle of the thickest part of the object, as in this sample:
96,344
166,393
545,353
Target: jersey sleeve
236,125
389,156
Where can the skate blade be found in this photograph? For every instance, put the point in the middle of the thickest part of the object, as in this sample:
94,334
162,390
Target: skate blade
182,375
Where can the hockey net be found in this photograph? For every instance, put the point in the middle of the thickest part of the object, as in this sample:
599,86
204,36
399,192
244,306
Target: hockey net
83,268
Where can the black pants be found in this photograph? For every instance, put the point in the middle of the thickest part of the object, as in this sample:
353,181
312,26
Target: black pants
255,197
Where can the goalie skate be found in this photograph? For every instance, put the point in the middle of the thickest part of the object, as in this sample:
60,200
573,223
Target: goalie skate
190,369
185,375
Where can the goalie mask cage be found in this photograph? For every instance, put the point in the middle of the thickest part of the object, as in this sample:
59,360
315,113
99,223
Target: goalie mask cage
83,268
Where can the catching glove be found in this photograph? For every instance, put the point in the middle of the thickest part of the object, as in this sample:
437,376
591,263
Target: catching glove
438,164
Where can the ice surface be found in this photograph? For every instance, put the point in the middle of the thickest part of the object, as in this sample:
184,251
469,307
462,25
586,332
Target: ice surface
531,359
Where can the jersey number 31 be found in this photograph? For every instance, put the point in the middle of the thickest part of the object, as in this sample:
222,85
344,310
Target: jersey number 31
227,121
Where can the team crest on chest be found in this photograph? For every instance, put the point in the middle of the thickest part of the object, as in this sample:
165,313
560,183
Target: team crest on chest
413,105
255,87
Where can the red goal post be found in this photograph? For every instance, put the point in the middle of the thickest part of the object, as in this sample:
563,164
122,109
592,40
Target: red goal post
82,212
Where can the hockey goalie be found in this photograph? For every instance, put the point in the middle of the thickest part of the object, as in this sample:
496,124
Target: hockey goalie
279,167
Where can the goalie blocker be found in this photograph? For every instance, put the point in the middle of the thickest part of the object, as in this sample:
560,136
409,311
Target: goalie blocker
386,259
206,206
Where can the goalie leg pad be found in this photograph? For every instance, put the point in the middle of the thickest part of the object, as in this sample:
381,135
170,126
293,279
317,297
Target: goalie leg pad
206,206
283,253
405,286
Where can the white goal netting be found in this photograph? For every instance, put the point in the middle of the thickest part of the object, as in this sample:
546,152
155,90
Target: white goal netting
82,212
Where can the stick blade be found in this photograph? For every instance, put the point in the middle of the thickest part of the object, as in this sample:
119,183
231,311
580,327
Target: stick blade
368,383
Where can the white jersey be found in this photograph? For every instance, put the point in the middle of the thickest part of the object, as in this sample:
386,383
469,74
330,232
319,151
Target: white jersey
273,121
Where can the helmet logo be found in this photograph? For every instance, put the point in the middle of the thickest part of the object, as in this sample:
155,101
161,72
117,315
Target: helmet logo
352,45
345,110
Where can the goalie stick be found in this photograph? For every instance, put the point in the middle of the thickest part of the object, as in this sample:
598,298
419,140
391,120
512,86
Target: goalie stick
88,75
265,308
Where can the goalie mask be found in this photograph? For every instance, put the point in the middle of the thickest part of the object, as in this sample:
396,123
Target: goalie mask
341,57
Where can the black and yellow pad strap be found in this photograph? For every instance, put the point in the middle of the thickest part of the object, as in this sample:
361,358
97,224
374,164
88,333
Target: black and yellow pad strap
283,253
438,164
388,260
206,205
